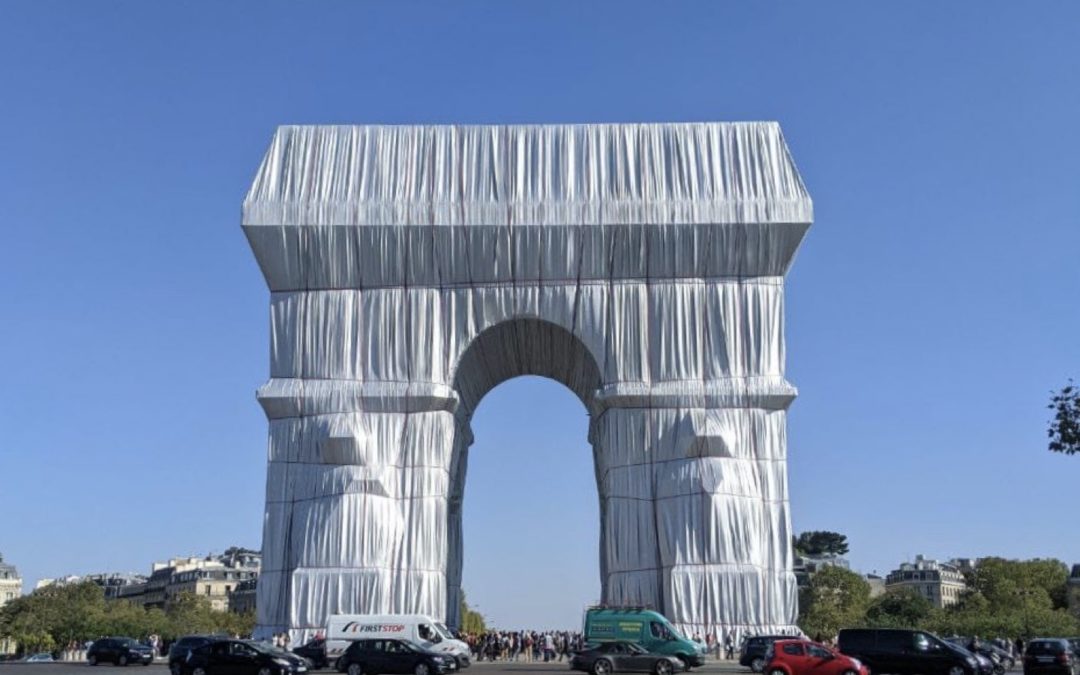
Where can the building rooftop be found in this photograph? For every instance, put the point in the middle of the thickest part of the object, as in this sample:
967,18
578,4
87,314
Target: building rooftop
923,563
7,571
335,207
709,172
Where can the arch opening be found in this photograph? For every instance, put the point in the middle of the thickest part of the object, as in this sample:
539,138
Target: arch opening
511,349
531,521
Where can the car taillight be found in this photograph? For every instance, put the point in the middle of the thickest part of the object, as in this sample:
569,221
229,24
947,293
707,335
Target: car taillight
1063,658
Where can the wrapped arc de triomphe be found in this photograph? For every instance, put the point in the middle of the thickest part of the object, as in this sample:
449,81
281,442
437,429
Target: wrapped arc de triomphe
413,268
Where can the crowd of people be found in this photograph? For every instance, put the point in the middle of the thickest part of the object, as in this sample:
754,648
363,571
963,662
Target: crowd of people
523,645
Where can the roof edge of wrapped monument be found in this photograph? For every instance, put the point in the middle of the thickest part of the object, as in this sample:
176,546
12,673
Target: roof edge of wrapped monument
602,174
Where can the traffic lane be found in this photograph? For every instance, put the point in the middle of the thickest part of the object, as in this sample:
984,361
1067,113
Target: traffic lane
480,668
712,667
68,667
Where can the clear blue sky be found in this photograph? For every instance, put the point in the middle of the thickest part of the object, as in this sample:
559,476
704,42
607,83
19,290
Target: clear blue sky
930,311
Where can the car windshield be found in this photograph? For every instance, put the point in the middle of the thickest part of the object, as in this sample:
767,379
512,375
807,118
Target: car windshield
1044,648
128,642
635,649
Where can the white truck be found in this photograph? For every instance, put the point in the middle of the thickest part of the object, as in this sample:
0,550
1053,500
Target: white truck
344,629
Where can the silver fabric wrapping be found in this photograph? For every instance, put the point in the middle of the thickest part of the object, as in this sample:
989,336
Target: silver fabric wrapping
412,269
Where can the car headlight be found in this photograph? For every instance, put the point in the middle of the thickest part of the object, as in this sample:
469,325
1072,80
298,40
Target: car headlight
283,663
971,661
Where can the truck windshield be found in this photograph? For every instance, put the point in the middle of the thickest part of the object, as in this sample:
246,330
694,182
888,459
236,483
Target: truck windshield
664,631
443,631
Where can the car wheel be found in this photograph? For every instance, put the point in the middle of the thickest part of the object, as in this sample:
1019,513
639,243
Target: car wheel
92,659
199,671
265,671
850,672
663,667
122,661
602,667
957,670
758,665
777,671
356,669
422,669
175,669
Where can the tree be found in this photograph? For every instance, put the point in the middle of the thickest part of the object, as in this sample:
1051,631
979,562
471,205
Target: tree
819,543
471,620
1064,431
899,609
835,598
1012,585
190,613
52,617
1012,597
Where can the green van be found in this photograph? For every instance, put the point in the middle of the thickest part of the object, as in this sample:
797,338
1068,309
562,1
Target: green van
643,626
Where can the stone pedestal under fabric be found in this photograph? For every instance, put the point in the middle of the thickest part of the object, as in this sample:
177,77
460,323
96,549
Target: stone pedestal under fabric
414,268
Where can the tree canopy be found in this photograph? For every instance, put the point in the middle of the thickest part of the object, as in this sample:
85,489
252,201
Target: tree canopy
899,609
1006,598
50,618
835,598
1064,431
471,620
817,543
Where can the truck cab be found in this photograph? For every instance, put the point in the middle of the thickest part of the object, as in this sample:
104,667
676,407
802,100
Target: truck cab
645,627
423,631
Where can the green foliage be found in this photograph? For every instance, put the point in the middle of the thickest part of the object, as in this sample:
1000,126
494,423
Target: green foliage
819,543
899,609
1064,431
1013,597
1021,584
1007,598
471,620
835,598
52,617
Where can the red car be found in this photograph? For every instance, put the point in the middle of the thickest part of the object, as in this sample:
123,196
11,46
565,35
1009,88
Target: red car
802,657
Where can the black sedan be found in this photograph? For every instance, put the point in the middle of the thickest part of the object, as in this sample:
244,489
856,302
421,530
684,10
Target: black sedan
315,651
119,650
623,657
237,657
389,656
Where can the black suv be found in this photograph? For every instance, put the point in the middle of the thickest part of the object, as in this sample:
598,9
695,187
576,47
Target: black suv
375,657
119,650
238,657
752,654
1050,657
906,652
